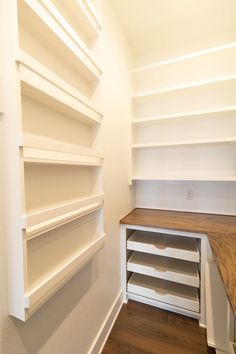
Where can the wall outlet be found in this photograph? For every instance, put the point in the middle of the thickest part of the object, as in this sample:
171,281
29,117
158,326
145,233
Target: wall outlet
189,194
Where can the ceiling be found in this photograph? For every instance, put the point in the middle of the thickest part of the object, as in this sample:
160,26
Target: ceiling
159,28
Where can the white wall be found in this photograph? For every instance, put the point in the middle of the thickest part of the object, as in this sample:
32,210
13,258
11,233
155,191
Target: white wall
70,322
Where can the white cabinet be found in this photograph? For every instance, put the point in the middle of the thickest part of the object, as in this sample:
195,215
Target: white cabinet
216,308
163,268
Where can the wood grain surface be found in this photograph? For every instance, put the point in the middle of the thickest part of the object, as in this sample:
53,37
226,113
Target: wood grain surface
220,229
224,251
178,220
144,329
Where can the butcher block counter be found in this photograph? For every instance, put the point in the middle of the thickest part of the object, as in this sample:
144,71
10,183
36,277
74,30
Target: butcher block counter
220,229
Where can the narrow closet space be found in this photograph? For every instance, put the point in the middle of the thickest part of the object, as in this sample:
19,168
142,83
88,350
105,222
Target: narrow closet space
118,172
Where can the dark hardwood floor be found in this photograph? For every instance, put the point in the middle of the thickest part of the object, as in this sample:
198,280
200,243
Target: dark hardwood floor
143,329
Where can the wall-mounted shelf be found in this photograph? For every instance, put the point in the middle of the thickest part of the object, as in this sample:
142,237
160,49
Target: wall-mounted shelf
186,115
40,150
185,57
83,17
41,84
149,94
56,162
172,177
187,142
44,22
36,296
42,221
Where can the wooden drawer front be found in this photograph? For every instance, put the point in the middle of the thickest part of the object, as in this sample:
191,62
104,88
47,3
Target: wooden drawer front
162,290
180,247
176,270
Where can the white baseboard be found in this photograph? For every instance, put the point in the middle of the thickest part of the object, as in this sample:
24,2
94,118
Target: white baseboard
106,327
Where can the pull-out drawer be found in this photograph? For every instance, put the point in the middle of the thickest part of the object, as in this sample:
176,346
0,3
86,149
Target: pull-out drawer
180,247
162,290
176,270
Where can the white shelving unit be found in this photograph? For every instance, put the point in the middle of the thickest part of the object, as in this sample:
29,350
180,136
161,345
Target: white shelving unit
177,125
57,164
42,17
163,268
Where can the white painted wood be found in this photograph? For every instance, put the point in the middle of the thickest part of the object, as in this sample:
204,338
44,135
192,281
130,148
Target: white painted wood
172,293
216,308
187,115
224,140
38,295
33,155
41,150
184,178
163,305
83,17
44,86
149,94
178,271
107,325
186,57
43,221
38,18
216,162
166,245
218,63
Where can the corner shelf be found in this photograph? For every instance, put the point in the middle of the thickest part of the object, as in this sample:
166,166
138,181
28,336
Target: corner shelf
40,150
145,95
189,115
36,296
41,84
41,17
230,140
40,222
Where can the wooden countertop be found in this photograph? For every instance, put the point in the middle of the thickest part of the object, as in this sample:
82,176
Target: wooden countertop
220,229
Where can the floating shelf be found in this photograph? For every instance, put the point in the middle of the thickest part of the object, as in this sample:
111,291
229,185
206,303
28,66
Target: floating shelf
42,221
41,17
195,178
40,150
41,84
175,270
148,94
193,114
186,142
36,296
185,57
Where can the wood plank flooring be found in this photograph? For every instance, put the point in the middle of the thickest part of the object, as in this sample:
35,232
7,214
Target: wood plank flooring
144,329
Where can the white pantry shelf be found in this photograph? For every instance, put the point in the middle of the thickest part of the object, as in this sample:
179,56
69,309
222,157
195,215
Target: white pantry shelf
40,293
226,140
42,221
191,114
40,150
39,16
184,57
91,20
42,85
195,84
195,178
86,54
